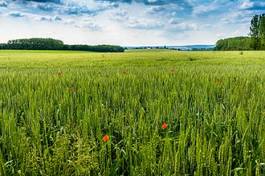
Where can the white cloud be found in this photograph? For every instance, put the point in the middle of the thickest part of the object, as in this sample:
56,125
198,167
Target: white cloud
246,4
144,24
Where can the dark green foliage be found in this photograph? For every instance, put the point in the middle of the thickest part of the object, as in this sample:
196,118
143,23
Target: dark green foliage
35,44
96,48
240,43
261,26
237,43
254,28
52,44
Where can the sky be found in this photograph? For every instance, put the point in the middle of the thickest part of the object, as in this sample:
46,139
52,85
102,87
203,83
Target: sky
128,22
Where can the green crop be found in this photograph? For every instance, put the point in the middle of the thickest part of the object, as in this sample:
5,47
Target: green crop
56,107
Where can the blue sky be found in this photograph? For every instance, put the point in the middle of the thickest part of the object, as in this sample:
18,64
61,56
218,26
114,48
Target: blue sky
128,22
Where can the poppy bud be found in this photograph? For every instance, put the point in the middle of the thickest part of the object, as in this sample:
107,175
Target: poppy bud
105,138
164,125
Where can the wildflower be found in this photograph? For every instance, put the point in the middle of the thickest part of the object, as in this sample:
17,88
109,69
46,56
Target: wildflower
164,125
105,138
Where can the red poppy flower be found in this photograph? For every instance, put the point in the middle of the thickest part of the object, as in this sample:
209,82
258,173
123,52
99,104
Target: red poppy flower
164,125
105,138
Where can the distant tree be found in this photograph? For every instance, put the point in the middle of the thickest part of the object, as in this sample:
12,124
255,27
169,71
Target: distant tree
261,33
52,44
35,44
96,48
254,28
236,43
261,26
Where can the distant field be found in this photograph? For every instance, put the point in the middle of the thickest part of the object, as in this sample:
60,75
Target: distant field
56,108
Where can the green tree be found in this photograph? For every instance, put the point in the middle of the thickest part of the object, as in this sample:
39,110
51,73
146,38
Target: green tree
52,44
254,31
236,43
254,28
261,26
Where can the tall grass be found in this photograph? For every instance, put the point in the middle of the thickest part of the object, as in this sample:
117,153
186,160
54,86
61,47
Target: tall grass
56,107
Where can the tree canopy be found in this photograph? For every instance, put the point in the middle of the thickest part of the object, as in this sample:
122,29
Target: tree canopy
236,43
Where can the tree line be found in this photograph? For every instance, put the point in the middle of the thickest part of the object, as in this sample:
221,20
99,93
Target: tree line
52,44
255,40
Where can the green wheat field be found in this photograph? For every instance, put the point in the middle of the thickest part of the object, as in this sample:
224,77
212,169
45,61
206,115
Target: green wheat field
56,107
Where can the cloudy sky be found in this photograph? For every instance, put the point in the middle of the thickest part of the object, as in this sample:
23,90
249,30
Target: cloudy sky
128,22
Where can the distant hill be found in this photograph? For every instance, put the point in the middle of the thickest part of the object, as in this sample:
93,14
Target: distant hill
182,48
192,47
